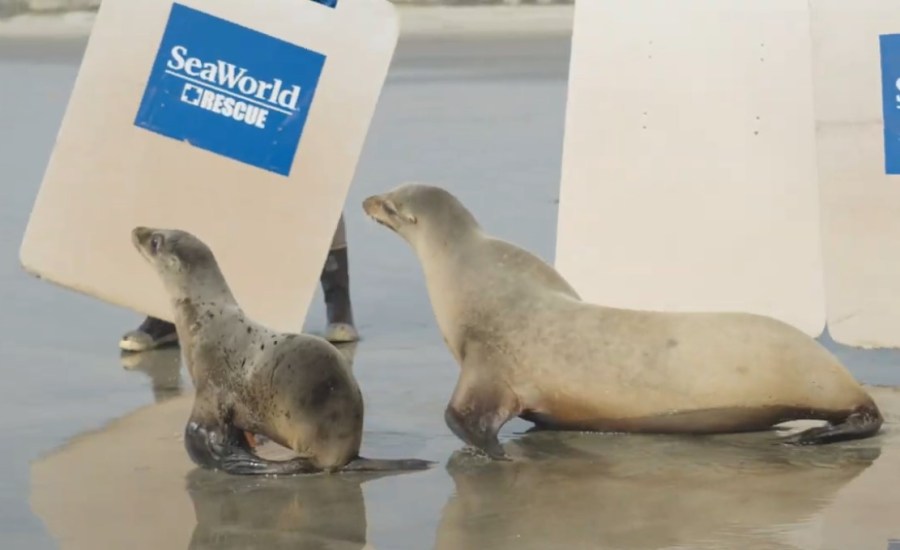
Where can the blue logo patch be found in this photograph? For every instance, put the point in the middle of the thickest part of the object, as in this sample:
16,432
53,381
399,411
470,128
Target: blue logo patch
890,94
230,90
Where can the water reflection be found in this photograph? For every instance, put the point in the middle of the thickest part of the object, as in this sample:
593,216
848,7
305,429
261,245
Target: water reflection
162,366
131,485
575,491
318,512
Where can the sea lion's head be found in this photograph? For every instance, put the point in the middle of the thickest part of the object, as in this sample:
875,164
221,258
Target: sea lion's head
417,211
180,258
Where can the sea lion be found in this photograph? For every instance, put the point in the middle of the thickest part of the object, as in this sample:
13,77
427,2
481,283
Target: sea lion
295,389
528,346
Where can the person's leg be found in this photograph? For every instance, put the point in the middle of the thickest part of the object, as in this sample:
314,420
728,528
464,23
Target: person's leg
152,333
335,279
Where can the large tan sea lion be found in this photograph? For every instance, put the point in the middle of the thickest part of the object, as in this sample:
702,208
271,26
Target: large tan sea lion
528,346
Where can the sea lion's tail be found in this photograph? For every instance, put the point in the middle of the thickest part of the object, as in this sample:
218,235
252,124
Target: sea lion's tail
360,464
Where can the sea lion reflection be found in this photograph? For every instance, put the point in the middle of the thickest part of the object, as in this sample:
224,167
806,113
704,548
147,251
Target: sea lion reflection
319,512
642,492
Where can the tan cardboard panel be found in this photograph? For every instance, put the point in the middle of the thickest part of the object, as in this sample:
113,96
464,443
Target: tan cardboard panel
860,200
268,217
689,168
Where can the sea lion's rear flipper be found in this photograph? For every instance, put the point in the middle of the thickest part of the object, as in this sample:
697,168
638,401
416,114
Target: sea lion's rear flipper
360,464
864,421
242,462
226,449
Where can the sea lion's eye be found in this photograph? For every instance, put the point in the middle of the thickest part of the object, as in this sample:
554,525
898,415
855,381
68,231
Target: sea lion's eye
155,243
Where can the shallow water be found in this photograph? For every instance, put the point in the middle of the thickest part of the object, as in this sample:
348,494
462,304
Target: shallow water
485,119
562,490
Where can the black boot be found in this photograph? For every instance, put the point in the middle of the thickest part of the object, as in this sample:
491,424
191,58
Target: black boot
152,333
335,281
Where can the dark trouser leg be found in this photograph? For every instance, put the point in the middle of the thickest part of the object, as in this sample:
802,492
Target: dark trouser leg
152,333
335,281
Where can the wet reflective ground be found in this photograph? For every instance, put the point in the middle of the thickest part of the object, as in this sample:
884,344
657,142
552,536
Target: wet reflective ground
92,444
563,490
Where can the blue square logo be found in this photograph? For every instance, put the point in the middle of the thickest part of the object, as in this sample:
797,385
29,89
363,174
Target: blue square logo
890,97
230,90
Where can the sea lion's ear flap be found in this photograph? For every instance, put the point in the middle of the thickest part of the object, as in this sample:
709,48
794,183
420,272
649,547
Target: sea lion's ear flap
174,262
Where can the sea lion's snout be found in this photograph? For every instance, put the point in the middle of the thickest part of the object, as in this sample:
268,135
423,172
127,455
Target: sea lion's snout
376,208
372,205
146,240
140,234
384,211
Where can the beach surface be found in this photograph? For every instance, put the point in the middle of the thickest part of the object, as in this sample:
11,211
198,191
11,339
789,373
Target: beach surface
93,440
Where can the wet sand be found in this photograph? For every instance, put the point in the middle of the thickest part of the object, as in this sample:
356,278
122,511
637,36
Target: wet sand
131,485
498,144
483,117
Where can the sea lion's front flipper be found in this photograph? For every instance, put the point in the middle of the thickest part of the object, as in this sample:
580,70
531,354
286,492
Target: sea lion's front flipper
480,406
360,464
226,449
